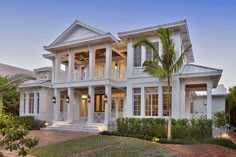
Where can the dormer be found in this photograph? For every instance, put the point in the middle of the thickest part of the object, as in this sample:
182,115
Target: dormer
44,73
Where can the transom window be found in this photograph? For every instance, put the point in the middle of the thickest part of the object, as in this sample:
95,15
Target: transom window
151,106
137,101
137,56
99,103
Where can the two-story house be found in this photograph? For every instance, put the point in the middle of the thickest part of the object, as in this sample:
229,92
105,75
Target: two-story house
96,78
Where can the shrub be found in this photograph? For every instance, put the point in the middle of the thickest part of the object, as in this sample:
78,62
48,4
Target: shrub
148,128
30,122
220,119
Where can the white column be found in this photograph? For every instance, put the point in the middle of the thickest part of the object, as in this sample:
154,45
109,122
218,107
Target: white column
78,104
108,60
57,67
130,58
143,54
57,94
91,62
71,65
143,102
27,103
209,100
124,105
91,104
182,101
129,100
70,105
107,105
21,103
160,101
53,70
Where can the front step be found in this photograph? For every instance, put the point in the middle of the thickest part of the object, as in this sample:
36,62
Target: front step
92,128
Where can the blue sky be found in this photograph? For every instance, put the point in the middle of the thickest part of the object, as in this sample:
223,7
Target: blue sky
28,25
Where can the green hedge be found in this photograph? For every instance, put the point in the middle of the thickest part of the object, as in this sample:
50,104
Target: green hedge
30,122
147,128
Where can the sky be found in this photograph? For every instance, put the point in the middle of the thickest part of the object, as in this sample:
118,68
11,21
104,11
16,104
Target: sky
28,25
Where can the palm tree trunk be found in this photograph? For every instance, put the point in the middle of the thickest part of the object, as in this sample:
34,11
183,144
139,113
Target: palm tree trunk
169,118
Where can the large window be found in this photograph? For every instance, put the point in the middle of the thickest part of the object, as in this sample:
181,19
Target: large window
31,103
166,101
137,56
99,103
151,106
149,51
137,101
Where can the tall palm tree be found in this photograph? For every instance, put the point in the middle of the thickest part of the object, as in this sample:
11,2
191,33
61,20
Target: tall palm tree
9,83
164,66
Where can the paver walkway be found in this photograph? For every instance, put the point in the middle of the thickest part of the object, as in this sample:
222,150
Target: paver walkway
199,150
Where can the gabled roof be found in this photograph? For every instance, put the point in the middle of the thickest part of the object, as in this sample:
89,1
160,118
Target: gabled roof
191,69
36,83
43,69
79,32
8,70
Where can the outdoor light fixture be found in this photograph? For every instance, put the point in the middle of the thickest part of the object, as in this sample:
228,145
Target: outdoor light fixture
54,99
116,66
88,98
67,99
105,98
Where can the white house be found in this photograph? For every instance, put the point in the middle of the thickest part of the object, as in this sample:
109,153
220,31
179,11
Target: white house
96,78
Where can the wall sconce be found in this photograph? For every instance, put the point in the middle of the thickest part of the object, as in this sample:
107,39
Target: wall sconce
88,98
54,99
105,98
116,65
67,99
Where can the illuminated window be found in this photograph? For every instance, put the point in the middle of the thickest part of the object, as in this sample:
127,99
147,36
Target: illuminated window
166,101
151,97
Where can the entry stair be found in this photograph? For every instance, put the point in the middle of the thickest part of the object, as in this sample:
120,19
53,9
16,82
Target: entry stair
78,127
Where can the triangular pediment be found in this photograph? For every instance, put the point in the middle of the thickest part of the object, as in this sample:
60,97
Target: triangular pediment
77,31
196,69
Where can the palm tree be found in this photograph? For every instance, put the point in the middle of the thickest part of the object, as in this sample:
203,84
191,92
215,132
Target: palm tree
164,66
9,83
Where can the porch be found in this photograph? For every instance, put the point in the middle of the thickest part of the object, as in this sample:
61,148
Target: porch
88,105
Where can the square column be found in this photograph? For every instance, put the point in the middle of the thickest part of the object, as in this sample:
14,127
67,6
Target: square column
108,105
91,104
108,60
91,63
21,103
160,101
53,70
70,105
129,100
182,101
57,68
35,103
71,64
209,100
56,110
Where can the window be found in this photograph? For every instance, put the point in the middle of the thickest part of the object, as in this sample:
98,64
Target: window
37,103
31,103
137,56
24,102
151,106
99,103
137,101
149,52
166,102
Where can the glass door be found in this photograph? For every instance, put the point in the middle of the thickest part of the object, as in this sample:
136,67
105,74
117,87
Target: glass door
84,108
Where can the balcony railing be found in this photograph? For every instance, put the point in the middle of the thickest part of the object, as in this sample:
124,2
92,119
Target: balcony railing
118,74
195,115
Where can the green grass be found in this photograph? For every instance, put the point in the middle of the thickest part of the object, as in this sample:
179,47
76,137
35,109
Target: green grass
109,147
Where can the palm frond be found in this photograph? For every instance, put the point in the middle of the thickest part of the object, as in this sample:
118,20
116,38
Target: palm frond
154,69
179,63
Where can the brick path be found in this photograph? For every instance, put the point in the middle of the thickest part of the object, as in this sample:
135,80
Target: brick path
200,150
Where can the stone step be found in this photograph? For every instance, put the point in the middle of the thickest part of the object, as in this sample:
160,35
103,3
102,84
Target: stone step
60,129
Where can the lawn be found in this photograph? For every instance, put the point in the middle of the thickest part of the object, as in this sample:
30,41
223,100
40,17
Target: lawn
101,146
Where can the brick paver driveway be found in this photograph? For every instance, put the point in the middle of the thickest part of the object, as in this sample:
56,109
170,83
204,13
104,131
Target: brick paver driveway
199,150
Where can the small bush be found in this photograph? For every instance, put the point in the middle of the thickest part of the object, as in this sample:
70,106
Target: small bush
30,122
220,119
222,142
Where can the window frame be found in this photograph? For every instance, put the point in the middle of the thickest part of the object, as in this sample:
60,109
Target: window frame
137,107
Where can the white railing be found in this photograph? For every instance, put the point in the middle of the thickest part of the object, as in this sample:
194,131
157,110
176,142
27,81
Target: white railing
99,117
62,116
195,115
118,75
62,77
81,75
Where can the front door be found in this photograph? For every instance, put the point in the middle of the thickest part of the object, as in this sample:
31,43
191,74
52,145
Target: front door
84,108
117,105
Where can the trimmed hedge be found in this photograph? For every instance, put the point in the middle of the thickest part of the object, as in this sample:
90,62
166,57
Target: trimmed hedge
30,122
147,128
